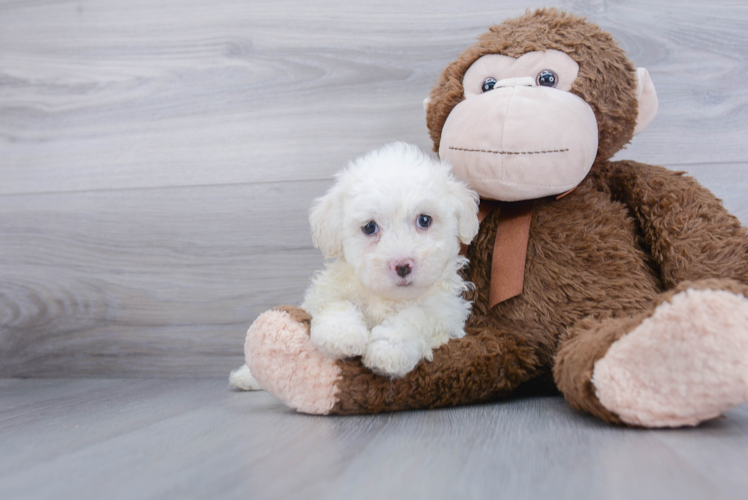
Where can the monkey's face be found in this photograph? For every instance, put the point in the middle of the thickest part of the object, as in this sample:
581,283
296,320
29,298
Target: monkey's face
520,133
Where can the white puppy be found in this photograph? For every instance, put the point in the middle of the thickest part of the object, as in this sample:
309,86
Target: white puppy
394,221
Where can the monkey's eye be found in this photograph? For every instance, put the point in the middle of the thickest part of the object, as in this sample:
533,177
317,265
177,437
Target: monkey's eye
423,221
547,78
370,228
488,84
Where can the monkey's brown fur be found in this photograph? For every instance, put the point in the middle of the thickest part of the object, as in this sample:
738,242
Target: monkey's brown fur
599,260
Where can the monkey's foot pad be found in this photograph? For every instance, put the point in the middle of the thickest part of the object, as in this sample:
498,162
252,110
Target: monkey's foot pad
686,363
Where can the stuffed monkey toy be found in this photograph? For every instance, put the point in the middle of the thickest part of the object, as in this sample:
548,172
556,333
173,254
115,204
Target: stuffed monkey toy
622,284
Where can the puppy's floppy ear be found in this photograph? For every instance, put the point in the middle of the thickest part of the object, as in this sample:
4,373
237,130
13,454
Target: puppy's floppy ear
325,220
465,202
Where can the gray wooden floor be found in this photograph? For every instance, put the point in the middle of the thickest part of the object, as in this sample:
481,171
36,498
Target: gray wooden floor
128,439
157,160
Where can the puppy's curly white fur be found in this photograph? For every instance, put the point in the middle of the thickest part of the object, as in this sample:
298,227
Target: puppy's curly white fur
393,222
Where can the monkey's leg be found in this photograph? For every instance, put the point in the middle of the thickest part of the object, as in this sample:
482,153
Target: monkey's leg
682,362
480,367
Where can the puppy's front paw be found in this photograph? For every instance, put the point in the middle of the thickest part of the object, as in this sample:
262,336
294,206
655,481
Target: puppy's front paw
339,335
391,353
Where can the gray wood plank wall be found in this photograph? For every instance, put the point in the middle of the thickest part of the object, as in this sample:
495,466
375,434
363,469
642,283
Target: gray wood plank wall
157,158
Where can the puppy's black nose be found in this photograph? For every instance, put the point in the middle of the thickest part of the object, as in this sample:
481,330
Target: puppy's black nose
403,270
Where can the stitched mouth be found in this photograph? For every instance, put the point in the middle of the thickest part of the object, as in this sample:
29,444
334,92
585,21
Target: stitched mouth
500,152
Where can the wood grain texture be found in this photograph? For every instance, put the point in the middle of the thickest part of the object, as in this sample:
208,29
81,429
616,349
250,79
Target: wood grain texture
195,439
159,281
112,95
157,159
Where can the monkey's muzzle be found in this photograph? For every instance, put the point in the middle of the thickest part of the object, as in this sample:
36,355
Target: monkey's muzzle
520,142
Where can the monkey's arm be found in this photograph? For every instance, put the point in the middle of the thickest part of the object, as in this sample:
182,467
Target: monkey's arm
484,365
493,359
689,233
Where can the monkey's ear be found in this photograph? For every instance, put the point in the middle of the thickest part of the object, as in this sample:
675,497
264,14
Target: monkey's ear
647,97
466,205
426,103
324,218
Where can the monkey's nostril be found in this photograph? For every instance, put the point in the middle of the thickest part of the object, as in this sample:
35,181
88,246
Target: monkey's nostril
403,270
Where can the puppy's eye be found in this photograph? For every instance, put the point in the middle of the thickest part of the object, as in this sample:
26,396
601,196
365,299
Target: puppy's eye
370,228
423,221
